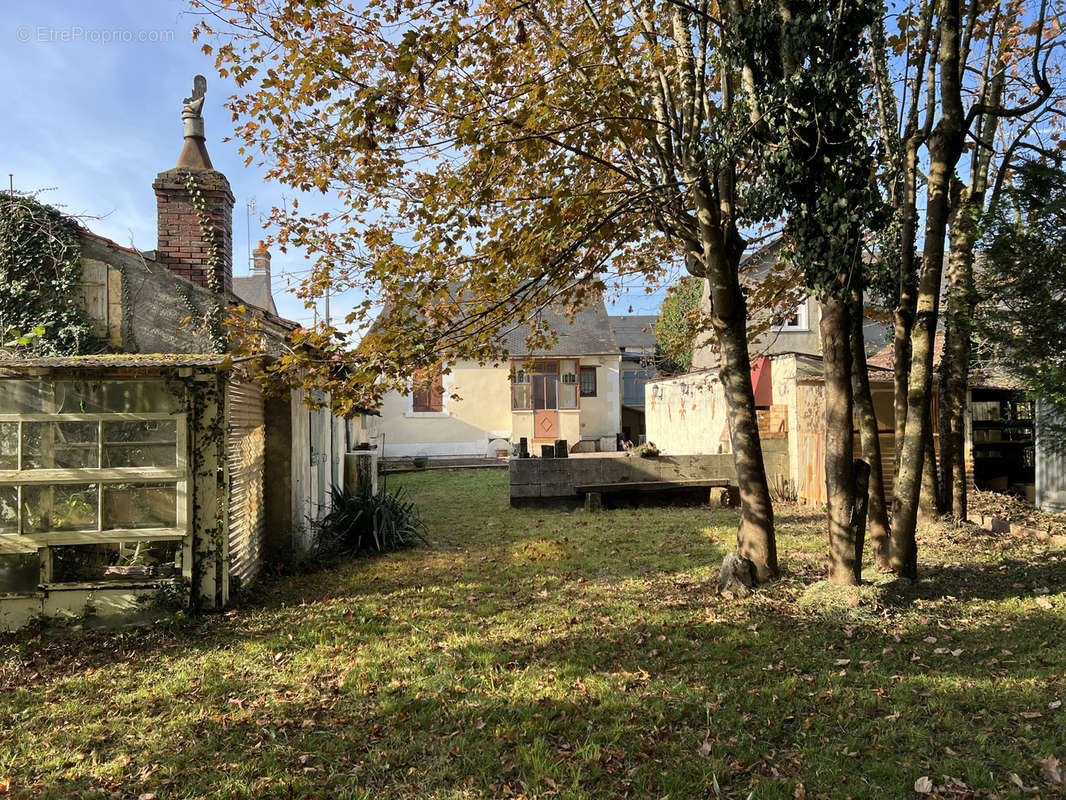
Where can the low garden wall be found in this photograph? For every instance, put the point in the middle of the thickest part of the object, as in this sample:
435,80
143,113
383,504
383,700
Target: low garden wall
557,478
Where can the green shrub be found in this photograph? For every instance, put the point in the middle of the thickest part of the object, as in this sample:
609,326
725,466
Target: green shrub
361,521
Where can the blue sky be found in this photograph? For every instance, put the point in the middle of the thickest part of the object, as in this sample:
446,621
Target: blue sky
92,113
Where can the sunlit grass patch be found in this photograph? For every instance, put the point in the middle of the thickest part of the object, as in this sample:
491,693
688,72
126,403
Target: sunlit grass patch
555,654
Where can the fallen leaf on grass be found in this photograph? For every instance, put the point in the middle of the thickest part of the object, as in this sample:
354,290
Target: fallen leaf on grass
1054,704
1030,714
705,748
1013,778
924,785
1051,767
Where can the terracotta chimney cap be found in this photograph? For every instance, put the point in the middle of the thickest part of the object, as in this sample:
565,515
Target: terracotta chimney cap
194,153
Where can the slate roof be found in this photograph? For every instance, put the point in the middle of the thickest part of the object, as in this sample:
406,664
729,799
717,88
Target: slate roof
255,290
986,377
587,334
634,332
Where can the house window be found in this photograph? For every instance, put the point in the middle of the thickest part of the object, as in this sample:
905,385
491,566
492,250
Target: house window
794,320
588,381
428,394
568,385
521,396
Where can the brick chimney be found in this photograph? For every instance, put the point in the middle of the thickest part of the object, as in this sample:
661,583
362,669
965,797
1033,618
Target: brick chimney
195,208
261,262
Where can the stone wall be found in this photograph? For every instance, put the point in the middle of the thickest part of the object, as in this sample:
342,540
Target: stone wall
146,308
547,478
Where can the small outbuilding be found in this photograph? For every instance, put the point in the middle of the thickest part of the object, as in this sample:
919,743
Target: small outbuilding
157,464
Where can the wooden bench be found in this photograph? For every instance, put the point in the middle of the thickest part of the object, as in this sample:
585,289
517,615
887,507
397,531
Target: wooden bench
593,491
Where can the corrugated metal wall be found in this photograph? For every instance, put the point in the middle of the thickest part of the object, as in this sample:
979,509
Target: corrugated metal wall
1050,459
245,454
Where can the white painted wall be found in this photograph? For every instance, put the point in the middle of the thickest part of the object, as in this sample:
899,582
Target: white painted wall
686,415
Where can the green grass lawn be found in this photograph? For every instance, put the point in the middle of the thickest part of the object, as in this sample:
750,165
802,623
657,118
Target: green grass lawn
554,654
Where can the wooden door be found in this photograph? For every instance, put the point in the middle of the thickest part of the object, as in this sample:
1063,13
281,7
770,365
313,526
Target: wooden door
545,407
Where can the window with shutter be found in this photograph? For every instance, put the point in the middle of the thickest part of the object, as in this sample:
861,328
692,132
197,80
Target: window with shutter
428,394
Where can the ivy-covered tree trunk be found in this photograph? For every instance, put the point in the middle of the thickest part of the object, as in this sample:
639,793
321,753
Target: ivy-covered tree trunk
880,533
804,84
845,561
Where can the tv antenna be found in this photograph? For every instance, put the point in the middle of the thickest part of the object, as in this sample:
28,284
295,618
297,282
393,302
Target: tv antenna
249,207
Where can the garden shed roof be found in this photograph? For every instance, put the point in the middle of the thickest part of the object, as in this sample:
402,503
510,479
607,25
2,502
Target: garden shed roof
10,366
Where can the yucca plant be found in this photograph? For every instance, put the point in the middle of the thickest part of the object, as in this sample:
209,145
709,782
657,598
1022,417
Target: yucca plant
362,520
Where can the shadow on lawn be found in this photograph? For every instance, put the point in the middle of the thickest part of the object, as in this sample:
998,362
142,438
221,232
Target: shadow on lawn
619,712
499,587
1005,579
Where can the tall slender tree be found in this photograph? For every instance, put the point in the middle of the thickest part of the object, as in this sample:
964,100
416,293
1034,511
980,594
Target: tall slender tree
940,42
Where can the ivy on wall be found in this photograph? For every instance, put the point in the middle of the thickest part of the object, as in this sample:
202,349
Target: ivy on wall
215,314
40,273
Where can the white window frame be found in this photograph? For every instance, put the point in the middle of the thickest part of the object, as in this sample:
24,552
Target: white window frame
178,475
802,323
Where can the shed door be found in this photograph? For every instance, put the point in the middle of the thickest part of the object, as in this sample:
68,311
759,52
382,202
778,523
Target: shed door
245,454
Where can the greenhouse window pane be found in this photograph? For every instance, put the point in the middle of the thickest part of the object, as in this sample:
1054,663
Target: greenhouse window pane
123,397
114,561
9,509
23,396
59,508
9,445
140,444
140,506
75,563
19,573
59,445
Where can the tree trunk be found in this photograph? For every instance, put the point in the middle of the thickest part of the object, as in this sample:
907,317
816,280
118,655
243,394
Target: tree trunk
903,318
929,506
959,312
861,471
839,442
721,260
755,536
945,147
880,534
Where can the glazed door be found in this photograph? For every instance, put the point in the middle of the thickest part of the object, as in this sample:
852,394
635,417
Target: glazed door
545,407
